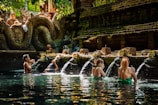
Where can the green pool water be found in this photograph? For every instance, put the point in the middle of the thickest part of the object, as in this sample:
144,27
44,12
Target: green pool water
59,89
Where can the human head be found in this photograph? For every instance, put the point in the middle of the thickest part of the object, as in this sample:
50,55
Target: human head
124,62
12,15
25,56
48,46
100,62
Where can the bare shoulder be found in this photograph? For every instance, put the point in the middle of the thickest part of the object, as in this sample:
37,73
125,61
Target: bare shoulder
119,68
132,69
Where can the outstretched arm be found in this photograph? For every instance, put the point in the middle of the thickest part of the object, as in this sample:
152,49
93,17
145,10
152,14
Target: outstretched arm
55,64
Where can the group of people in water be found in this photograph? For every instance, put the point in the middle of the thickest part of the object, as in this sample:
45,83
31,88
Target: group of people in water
125,72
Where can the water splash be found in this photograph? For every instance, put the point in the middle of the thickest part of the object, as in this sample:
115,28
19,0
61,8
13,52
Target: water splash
146,63
85,65
114,62
139,68
66,65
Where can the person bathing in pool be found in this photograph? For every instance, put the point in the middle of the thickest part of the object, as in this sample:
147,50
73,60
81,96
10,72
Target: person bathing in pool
27,64
53,66
126,73
97,70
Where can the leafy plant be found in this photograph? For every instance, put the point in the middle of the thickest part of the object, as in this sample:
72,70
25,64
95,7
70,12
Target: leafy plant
15,5
103,2
4,5
63,8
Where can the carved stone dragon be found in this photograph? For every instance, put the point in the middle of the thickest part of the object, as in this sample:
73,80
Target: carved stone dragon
39,32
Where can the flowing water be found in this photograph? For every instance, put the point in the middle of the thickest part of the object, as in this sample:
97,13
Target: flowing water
114,63
62,89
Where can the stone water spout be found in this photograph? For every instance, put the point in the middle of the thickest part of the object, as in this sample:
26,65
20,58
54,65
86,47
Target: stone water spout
114,63
149,68
66,65
84,67
140,67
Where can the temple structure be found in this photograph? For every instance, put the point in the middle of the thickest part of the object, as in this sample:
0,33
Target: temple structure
125,23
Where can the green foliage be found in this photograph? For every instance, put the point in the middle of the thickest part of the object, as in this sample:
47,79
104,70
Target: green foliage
4,5
103,2
33,7
15,5
34,1
84,25
63,8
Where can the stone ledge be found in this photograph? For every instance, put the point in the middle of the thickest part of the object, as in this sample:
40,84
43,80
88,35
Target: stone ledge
124,30
115,7
17,51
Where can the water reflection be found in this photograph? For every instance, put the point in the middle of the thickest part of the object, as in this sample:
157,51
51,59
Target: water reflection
57,89
126,94
28,80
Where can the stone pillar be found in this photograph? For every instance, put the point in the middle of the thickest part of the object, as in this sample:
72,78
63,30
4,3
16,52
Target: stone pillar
151,42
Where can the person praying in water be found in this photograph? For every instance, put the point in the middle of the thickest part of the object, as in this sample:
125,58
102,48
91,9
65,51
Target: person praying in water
27,65
126,73
97,70
53,66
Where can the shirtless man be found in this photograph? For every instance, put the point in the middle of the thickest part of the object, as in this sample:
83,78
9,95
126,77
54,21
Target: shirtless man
11,19
27,65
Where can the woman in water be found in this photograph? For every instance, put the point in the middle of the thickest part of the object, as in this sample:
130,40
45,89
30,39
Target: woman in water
126,73
97,71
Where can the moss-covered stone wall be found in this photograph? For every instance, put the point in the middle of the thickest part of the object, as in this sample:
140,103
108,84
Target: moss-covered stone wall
122,24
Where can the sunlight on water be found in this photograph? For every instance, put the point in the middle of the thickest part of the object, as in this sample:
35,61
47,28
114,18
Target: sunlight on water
62,89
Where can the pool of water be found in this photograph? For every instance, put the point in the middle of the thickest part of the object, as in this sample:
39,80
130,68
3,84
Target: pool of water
60,89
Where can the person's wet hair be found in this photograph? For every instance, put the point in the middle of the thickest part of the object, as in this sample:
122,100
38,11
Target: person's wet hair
25,56
99,61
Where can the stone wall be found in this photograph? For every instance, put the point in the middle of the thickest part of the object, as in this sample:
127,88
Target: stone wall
12,59
123,24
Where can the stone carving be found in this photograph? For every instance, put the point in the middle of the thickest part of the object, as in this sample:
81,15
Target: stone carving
40,31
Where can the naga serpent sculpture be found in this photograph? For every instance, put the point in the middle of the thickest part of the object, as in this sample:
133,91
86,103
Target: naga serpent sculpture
40,31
